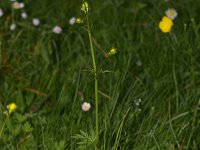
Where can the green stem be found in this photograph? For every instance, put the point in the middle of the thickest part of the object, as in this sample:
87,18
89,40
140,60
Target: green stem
96,81
3,125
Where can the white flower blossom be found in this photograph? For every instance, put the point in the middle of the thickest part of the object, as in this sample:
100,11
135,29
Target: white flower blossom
36,22
86,106
24,15
57,29
171,13
13,27
1,12
21,5
72,20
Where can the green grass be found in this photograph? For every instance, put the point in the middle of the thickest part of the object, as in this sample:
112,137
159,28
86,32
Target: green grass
45,75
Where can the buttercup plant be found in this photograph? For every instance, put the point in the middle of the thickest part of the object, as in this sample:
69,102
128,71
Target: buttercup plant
86,106
10,109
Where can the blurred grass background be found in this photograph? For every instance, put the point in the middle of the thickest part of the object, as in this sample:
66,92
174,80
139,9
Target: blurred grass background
47,75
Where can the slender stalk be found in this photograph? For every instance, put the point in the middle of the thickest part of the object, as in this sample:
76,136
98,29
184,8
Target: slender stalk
3,125
95,81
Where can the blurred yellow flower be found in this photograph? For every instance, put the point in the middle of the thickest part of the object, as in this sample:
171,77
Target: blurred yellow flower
112,51
12,107
166,24
79,20
85,7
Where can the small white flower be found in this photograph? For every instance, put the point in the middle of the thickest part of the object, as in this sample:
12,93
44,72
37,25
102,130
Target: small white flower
171,13
86,106
1,12
139,63
57,29
137,102
36,22
13,27
21,5
24,15
72,21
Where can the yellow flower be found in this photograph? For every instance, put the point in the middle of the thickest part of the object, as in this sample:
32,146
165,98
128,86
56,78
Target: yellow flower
166,24
112,51
85,7
12,107
79,20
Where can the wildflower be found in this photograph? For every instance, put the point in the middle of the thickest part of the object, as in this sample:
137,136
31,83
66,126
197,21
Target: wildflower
1,12
112,51
11,107
13,27
21,5
24,15
16,5
84,7
57,29
166,24
72,20
137,102
86,106
36,22
139,63
171,13
78,20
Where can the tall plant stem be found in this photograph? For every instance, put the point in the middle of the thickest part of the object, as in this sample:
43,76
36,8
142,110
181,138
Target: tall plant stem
95,81
3,126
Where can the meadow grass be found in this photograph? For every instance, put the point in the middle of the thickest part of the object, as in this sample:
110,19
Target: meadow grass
48,75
